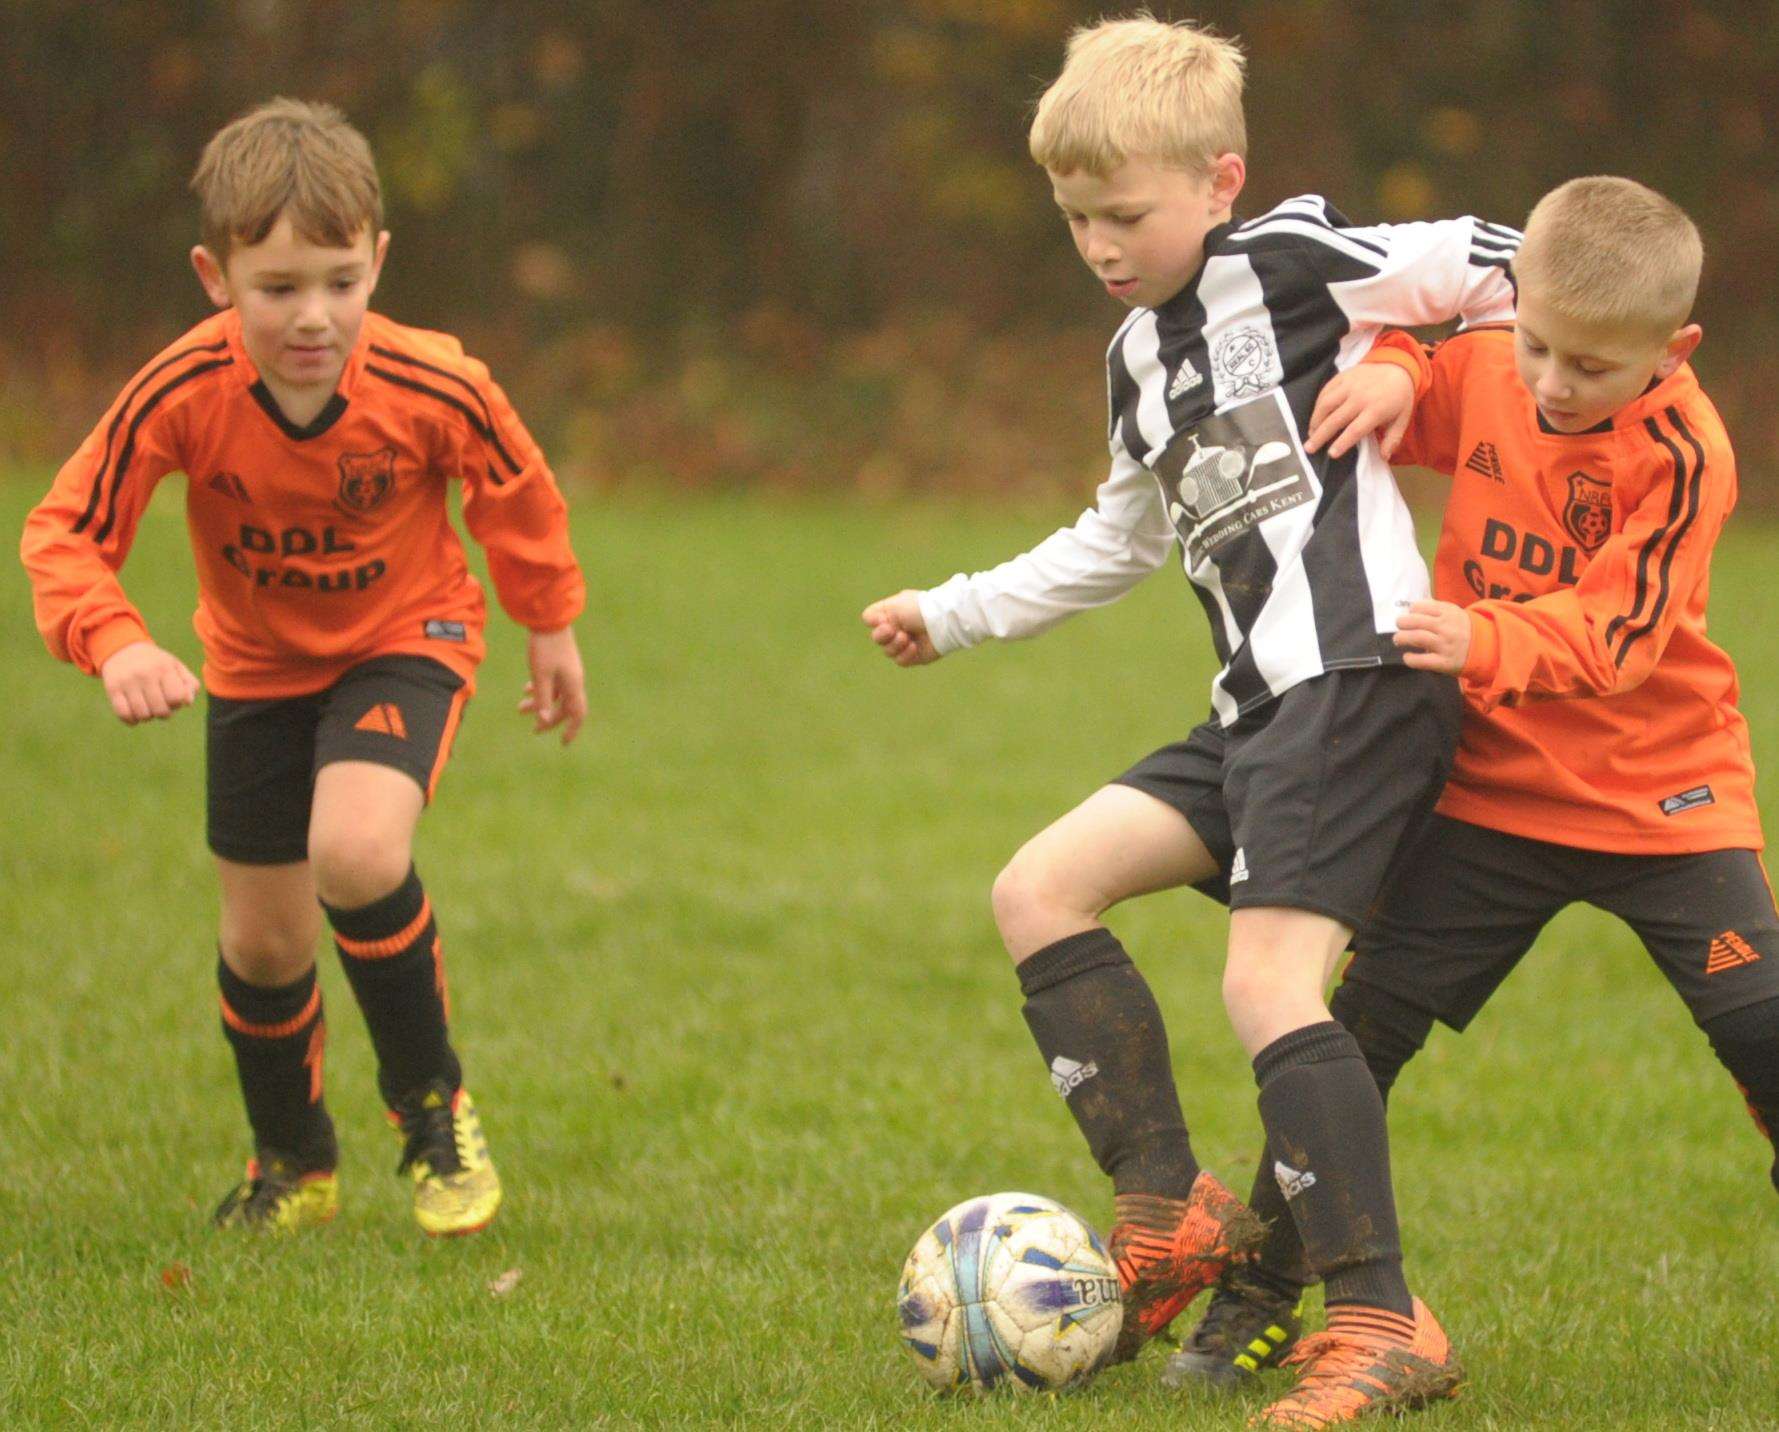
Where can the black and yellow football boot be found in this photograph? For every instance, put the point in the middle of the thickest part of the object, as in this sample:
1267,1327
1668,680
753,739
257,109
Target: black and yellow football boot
456,1189
280,1195
1246,1326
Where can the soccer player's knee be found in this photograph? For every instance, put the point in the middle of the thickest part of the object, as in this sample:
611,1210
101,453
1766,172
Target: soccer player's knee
1026,897
353,868
270,947
1249,989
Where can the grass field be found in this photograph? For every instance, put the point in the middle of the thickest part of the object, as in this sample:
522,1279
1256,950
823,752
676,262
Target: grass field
731,1002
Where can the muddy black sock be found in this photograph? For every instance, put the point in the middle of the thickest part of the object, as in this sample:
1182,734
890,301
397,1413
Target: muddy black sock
1390,1033
1102,1039
1330,1156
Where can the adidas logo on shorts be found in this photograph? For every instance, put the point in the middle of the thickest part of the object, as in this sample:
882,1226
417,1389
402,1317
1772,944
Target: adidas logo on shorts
1238,868
1292,1181
1068,1075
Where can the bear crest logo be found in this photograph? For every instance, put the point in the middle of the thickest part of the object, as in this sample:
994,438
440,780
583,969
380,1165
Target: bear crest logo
1587,515
366,478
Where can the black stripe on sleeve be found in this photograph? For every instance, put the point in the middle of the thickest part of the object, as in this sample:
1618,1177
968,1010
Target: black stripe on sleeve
1675,498
1499,231
1695,484
92,502
487,429
128,450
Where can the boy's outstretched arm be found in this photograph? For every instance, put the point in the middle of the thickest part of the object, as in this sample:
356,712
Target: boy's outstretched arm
1111,547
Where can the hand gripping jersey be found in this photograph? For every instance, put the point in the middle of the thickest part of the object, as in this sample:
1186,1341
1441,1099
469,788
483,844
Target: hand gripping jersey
1584,561
319,547
1301,563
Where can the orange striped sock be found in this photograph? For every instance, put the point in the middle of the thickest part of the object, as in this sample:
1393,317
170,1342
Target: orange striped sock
1368,1324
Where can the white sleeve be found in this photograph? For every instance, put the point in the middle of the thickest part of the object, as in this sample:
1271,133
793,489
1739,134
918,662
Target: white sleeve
1113,545
1430,273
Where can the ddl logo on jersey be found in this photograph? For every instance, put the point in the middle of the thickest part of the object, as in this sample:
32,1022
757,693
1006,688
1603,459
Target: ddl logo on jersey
366,478
1587,515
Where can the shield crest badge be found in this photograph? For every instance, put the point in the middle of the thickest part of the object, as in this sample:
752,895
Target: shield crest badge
1587,515
366,478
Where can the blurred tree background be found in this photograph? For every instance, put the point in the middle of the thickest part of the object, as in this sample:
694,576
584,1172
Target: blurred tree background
798,243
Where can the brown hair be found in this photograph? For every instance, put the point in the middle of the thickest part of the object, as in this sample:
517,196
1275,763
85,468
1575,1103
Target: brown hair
1142,87
1609,250
287,155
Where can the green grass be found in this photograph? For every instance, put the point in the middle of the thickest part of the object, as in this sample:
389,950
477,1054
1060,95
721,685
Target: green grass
732,1004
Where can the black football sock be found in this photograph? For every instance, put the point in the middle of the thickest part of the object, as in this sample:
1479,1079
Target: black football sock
277,1034
1390,1032
390,951
1102,1039
1325,1132
1746,1040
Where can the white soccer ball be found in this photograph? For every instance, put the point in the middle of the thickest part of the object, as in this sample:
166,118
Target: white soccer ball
1009,1289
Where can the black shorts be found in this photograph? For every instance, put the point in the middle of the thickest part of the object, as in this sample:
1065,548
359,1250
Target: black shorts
261,756
1304,802
1467,902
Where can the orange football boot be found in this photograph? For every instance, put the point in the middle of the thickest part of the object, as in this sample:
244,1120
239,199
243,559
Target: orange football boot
1349,1375
1169,1250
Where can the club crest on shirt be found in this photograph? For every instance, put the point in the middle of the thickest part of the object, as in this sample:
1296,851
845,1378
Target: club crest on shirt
1587,515
366,478
1246,363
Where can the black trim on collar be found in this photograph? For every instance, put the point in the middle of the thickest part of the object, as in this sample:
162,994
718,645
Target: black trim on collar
325,419
1603,426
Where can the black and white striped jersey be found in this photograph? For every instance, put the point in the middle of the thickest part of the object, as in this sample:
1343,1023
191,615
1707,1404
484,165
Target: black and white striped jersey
1301,564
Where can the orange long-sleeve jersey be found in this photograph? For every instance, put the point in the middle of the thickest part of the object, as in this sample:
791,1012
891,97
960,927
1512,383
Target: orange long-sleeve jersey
1584,562
318,547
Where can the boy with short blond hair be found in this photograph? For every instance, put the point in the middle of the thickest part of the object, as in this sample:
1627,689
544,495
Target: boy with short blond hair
1322,747
1591,478
341,631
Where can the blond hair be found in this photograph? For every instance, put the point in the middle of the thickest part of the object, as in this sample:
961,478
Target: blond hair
1610,251
287,155
1142,87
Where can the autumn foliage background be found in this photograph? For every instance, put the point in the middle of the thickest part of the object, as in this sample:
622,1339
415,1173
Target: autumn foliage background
798,243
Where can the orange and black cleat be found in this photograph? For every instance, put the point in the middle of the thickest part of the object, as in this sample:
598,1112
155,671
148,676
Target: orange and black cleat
1169,1250
1351,1374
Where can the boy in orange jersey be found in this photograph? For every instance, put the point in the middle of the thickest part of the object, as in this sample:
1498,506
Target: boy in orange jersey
341,632
1592,476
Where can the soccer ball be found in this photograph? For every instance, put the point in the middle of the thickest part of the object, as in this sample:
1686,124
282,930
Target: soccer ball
1009,1289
